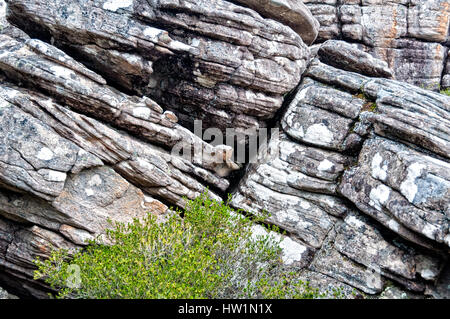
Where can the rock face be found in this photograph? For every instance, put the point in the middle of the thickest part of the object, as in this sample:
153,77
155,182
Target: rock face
290,12
209,60
360,175
410,35
98,98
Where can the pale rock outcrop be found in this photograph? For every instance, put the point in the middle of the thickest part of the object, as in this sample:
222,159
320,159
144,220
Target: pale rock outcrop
290,12
360,175
446,78
210,60
410,35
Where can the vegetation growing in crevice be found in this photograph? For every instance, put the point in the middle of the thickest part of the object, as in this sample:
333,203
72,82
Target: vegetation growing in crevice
212,252
446,92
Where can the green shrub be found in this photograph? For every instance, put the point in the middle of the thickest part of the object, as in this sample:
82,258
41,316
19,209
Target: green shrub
446,91
209,253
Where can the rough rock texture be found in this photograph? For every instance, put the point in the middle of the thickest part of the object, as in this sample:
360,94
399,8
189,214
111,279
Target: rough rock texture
98,97
210,60
360,175
412,36
446,78
290,12
5,295
76,152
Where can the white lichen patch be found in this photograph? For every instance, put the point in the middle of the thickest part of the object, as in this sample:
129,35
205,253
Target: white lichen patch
55,176
409,188
430,231
287,215
379,196
319,134
95,180
292,251
62,72
195,42
179,46
47,103
394,225
304,204
45,154
3,21
153,33
354,222
114,5
379,170
428,274
11,94
142,112
300,96
89,192
325,165
4,104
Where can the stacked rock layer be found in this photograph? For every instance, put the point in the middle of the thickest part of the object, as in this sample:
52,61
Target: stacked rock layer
96,95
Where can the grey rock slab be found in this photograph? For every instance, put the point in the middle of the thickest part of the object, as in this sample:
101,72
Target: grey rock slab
326,12
329,286
359,240
416,62
155,170
41,65
345,56
212,60
413,115
33,157
322,116
429,20
393,180
411,36
292,13
296,187
329,261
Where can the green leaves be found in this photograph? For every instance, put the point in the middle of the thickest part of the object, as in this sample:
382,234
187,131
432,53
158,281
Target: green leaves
446,91
210,253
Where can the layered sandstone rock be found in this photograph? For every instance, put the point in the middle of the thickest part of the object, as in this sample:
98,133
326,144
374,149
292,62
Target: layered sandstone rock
411,35
292,13
98,97
209,60
360,175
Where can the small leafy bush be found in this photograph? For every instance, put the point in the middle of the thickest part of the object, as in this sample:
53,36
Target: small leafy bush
209,253
446,91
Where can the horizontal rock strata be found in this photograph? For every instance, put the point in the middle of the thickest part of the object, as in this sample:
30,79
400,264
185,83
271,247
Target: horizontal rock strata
98,100
360,175
412,36
209,60
290,12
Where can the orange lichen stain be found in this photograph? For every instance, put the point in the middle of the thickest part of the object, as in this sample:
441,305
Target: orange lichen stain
391,33
43,248
443,19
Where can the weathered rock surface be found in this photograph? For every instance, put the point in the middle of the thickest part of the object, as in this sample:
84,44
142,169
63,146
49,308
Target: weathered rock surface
446,78
347,57
74,152
290,12
360,175
5,295
210,60
96,107
410,35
